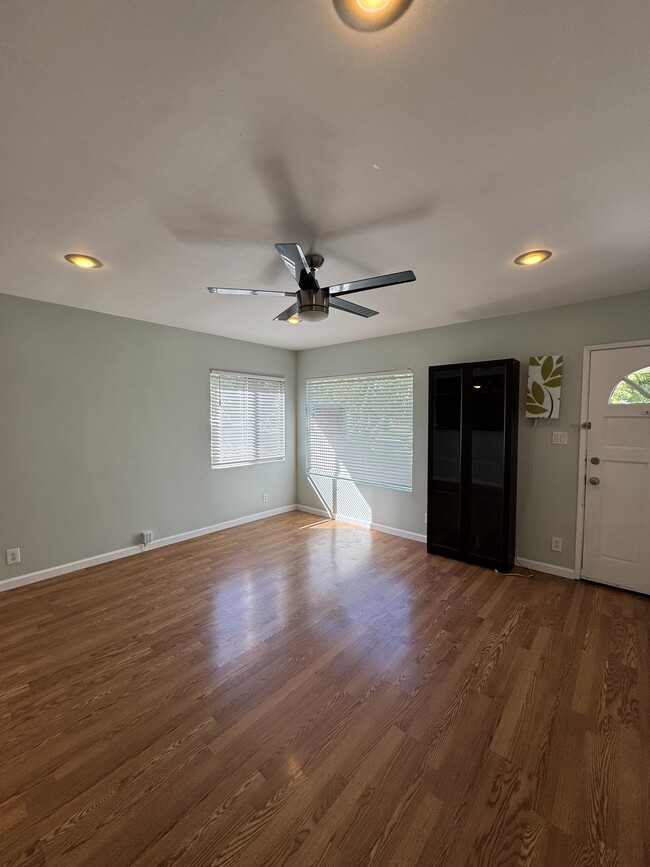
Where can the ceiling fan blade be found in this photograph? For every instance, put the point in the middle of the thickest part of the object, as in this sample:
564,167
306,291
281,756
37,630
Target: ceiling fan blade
372,283
294,259
286,314
349,307
217,290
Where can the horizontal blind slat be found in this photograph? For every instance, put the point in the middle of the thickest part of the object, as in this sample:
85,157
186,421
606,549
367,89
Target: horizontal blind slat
361,428
247,418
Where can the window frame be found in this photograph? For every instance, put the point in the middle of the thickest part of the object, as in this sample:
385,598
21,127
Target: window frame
248,376
369,375
635,386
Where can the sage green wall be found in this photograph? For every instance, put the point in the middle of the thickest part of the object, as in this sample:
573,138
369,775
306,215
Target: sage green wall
104,433
104,424
547,504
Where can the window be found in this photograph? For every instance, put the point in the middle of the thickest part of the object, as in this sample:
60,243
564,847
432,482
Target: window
633,388
246,418
361,428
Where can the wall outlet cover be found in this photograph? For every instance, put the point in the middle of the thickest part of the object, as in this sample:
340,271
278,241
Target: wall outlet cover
12,556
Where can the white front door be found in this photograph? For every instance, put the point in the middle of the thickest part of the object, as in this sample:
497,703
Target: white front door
617,496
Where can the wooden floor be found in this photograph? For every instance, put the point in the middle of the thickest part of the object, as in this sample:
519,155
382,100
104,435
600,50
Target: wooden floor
306,693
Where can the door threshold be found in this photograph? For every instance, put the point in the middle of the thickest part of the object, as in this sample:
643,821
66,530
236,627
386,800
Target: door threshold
615,586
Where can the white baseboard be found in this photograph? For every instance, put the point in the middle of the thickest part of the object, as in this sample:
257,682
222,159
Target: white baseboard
98,559
536,565
549,568
311,511
64,568
382,528
215,528
395,531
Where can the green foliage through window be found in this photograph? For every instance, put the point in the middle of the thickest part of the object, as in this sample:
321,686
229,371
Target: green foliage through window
633,388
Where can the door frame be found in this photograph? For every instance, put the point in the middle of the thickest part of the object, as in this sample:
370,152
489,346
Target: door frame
582,455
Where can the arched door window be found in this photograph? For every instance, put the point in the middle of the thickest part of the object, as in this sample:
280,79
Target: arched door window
633,388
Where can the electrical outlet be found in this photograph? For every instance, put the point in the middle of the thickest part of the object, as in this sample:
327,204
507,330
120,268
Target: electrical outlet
12,556
560,438
265,498
147,537
556,544
425,517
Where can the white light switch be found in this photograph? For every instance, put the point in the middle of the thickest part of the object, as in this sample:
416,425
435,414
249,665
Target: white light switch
560,438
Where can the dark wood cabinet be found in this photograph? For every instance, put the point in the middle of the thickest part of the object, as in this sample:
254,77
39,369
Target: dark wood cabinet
472,472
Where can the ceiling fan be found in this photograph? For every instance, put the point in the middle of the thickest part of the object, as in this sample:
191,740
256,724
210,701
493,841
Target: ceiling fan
313,302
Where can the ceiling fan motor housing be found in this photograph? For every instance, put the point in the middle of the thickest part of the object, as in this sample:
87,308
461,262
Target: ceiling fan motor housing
313,304
314,260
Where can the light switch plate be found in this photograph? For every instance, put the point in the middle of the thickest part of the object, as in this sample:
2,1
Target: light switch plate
560,438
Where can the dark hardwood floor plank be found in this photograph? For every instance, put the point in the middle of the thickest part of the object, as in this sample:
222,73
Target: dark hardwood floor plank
304,692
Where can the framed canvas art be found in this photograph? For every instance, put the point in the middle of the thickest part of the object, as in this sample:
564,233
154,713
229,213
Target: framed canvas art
544,386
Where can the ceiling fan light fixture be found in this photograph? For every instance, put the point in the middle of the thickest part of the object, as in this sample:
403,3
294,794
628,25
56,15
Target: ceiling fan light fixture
313,313
533,257
312,301
313,304
83,261
370,14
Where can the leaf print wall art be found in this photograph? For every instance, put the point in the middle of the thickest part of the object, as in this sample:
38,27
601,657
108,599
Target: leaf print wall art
544,386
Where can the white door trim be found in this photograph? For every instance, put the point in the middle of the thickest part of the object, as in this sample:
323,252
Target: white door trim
582,455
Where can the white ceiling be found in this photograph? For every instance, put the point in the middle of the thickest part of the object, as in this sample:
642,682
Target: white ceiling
178,141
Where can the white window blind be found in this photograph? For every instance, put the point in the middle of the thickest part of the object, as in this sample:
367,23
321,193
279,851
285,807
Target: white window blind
246,418
361,428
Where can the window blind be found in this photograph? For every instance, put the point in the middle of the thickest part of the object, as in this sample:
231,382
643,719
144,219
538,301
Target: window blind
246,418
361,428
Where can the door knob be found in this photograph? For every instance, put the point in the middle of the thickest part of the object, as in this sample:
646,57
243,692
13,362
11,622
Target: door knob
594,481
594,460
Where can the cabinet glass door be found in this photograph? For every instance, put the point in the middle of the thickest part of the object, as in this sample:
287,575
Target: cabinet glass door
486,491
445,464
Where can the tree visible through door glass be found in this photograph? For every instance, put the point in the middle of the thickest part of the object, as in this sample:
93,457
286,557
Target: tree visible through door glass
633,388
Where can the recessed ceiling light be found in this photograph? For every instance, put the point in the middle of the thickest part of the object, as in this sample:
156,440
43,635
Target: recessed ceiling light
533,257
83,261
477,386
294,320
373,5
370,14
